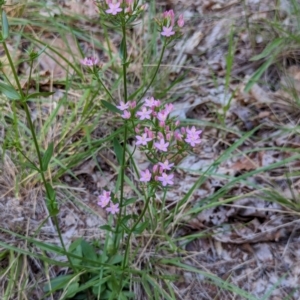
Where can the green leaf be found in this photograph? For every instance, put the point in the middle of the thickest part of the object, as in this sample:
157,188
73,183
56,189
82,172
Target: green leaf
110,107
118,150
123,50
129,201
51,200
76,249
47,157
255,77
51,191
141,227
5,26
57,283
40,94
75,244
72,290
116,259
9,91
30,165
106,227
269,50
88,251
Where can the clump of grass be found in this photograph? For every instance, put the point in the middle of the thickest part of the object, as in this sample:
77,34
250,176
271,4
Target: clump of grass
142,254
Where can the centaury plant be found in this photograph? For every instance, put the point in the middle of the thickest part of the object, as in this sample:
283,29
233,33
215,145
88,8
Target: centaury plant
108,273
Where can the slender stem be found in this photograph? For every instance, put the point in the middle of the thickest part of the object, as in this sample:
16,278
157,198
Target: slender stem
125,136
125,260
155,72
133,228
38,152
105,88
13,70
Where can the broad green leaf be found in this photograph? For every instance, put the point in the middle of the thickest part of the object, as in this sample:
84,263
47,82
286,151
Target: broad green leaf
47,157
9,91
75,244
88,251
72,290
5,26
116,259
110,107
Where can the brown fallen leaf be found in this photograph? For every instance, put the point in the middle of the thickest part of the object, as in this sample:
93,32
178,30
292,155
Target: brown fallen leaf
244,165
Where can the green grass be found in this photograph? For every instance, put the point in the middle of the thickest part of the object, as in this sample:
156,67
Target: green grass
31,263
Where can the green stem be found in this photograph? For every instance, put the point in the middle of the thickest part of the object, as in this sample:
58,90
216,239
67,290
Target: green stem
125,259
105,88
38,152
125,136
155,72
124,263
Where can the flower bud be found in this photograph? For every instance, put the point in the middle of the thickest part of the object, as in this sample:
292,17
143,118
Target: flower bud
180,21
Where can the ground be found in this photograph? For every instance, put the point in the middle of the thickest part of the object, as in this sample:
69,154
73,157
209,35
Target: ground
235,74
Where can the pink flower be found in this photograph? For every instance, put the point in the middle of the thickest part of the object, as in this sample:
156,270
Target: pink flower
166,179
113,208
193,139
143,140
162,116
167,31
168,136
165,165
145,176
180,21
114,8
178,135
104,199
126,114
169,16
169,107
155,168
89,61
132,104
123,106
144,114
161,145
150,133
157,103
193,131
149,102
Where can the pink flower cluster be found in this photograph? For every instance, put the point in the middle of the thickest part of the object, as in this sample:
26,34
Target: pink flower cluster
106,202
159,173
127,109
130,7
89,61
159,136
168,23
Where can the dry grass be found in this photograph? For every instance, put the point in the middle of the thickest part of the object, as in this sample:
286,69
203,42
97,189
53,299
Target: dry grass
229,228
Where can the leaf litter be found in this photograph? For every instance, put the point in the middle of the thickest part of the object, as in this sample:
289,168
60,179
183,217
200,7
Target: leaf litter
249,236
